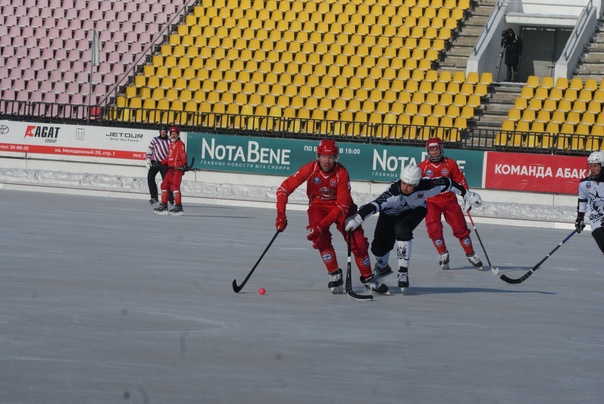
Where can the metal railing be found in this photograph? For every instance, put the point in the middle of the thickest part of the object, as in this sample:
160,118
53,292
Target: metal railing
471,137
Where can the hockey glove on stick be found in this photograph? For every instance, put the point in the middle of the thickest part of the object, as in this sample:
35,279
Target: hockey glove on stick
353,222
580,222
472,200
281,222
315,231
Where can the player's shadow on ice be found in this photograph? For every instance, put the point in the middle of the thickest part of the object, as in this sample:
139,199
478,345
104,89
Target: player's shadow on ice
419,290
206,211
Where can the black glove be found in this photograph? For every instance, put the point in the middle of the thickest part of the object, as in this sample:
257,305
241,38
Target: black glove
580,222
154,163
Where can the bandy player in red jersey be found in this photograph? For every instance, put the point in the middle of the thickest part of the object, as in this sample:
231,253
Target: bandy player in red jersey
445,204
176,160
330,202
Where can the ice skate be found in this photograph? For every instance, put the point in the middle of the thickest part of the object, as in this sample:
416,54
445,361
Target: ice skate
381,272
162,209
335,282
443,260
176,211
403,278
153,201
474,260
374,285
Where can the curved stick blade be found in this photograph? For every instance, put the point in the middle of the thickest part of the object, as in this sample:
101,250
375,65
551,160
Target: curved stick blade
516,281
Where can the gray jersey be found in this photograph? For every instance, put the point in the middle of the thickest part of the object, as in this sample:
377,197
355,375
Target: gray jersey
393,202
591,201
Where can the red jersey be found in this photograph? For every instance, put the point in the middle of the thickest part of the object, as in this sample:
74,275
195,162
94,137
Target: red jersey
177,155
323,189
446,167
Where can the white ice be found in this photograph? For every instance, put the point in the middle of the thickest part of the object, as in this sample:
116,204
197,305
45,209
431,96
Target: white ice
102,301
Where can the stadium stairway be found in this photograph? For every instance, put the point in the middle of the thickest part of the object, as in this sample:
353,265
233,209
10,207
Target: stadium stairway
457,56
496,105
494,108
591,66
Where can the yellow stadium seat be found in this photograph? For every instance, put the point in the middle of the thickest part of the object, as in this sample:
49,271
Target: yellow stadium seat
533,82
571,94
585,95
561,83
576,83
543,116
481,90
590,84
541,93
598,130
504,136
514,115
573,118
528,115
520,103
549,105
579,106
555,94
594,107
547,82
558,117
534,104
564,106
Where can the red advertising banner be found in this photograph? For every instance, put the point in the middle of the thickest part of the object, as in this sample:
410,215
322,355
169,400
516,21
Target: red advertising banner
534,172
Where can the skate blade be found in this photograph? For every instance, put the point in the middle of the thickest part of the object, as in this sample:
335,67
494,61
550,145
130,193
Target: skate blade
160,213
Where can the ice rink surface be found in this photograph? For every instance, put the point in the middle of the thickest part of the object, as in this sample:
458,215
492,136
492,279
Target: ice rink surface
103,301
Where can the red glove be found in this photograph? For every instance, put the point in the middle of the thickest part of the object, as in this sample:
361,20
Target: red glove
315,230
281,222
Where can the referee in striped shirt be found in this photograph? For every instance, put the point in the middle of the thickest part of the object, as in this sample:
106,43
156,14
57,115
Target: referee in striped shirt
158,150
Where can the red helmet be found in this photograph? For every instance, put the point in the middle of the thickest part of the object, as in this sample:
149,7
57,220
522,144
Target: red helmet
435,142
328,147
174,133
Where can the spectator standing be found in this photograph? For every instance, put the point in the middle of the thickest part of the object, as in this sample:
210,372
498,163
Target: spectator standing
512,45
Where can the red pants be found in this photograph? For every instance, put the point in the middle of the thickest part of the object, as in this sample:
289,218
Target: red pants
171,183
455,218
359,244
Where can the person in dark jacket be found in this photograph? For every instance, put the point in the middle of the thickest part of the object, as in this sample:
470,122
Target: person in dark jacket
513,50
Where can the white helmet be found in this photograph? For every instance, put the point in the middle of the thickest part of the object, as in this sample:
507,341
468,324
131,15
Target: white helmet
411,175
596,157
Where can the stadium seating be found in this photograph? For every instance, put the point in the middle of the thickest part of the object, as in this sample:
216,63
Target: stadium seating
566,111
311,63
357,50
44,32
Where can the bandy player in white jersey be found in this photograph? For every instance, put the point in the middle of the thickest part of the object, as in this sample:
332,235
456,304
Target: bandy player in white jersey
591,199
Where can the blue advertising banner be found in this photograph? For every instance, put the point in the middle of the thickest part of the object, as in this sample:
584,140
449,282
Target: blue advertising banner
282,157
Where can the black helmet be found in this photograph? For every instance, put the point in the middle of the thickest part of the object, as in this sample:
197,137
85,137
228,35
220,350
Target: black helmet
163,128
